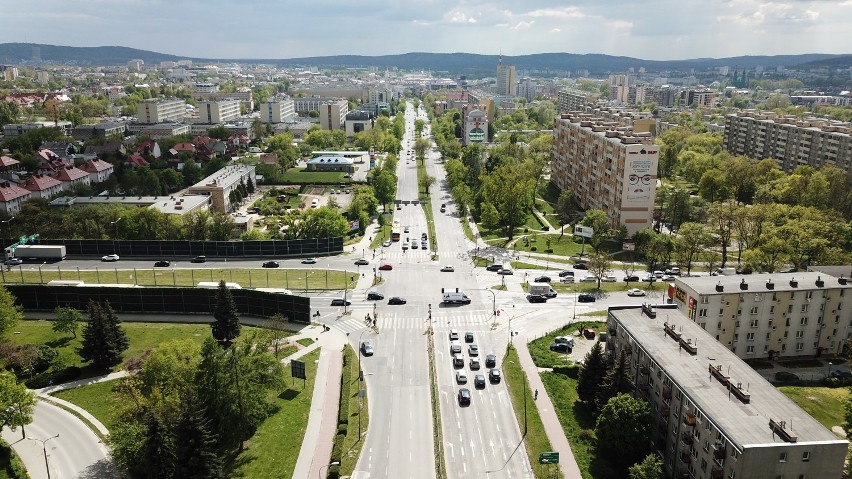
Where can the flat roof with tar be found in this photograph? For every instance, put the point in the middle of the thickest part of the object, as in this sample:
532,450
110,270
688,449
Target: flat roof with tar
744,424
757,283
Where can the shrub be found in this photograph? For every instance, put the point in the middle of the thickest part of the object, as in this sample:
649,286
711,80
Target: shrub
533,248
586,435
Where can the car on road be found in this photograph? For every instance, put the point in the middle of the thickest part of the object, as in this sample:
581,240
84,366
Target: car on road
162,264
560,348
404,246
13,261
387,244
386,267
479,381
454,335
494,267
468,337
199,259
536,298
506,272
362,262
458,360
473,350
588,279
367,348
372,295
668,277
271,264
309,261
609,279
586,298
494,375
461,377
398,207
396,300
635,292
841,374
542,279
447,269
443,207
631,279
340,302
490,361
564,340
406,230
565,273
475,364
581,266
424,245
658,274
566,279
110,257
464,397
414,245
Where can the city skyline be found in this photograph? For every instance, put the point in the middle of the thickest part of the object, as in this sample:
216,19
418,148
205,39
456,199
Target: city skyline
671,30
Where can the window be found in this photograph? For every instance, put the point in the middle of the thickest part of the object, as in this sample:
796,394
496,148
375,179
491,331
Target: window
750,337
782,457
806,456
800,334
803,321
750,349
702,312
800,346
772,309
753,310
754,322
804,308
705,299
809,294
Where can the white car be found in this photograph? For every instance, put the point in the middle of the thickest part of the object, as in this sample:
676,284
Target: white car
461,377
13,261
566,279
588,279
447,269
635,292
609,279
110,257
386,244
309,261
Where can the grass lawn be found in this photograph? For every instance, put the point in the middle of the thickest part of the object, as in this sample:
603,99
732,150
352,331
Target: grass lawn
467,230
305,342
824,404
357,407
383,235
298,279
562,245
274,448
540,351
606,287
97,399
301,176
522,265
535,440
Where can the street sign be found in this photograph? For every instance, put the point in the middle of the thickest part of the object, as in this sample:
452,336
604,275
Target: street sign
583,231
548,458
298,369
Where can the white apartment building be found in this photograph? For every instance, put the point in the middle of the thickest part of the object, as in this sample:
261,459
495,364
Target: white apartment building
279,111
770,315
790,141
571,100
160,111
608,166
219,185
218,111
332,115
304,105
712,415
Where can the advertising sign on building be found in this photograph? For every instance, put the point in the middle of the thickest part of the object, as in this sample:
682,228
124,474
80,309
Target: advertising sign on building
354,225
690,313
640,173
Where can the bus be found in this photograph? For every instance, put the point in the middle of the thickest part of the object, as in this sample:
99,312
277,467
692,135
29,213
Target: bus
395,234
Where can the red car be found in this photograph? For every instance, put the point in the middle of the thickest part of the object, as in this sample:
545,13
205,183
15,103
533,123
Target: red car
385,267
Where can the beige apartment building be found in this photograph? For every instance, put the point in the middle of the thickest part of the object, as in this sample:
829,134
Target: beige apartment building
572,100
790,141
219,185
332,114
607,166
218,111
713,416
160,111
770,315
507,81
279,111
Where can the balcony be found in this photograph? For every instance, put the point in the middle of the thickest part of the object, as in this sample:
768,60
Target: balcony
667,393
686,438
689,418
719,452
644,370
716,473
686,457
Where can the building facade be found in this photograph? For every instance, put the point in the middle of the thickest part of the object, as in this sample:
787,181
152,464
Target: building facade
608,167
11,197
332,114
159,111
475,127
219,185
791,142
218,111
507,82
571,100
279,111
770,315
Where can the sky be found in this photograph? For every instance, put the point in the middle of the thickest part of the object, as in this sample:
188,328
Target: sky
649,29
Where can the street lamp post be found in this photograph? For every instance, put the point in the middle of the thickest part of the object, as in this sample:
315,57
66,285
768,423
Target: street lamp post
44,450
332,463
115,233
9,226
829,369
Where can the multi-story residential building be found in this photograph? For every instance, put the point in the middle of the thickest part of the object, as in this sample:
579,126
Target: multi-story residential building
572,100
527,89
160,111
307,104
15,129
713,416
135,65
246,98
332,115
11,197
206,87
791,142
608,167
620,88
99,130
42,77
215,112
71,176
219,185
701,97
161,130
279,110
8,72
770,315
507,82
358,121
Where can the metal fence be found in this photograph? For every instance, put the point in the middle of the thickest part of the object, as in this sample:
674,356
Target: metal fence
213,249
161,300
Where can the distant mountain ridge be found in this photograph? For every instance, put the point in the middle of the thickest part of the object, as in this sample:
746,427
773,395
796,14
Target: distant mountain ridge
455,63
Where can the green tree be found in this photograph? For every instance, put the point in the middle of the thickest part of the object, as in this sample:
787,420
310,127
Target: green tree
623,429
598,265
691,238
158,454
17,403
195,446
614,383
384,185
713,185
591,374
10,313
104,340
226,319
507,190
650,468
221,227
67,320
600,223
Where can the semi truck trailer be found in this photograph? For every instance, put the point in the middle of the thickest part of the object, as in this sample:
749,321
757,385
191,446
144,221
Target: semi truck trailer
39,251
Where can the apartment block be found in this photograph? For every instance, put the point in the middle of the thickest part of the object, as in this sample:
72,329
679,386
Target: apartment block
713,416
304,105
279,111
572,100
219,185
790,141
507,82
607,166
160,111
246,98
770,315
218,111
332,114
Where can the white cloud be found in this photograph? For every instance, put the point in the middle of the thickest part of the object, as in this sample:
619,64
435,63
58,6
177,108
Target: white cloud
523,25
564,12
554,30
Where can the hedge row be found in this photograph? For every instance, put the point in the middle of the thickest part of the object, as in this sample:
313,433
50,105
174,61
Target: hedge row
342,418
11,463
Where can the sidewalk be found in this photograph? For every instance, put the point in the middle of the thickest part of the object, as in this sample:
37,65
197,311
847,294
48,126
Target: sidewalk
315,452
552,427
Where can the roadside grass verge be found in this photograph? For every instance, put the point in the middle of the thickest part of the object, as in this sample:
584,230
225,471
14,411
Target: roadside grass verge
352,415
426,204
583,287
467,230
535,439
540,351
302,176
824,404
434,396
296,279
98,399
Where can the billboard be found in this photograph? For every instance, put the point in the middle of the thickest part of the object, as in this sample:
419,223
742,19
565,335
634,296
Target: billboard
640,172
584,231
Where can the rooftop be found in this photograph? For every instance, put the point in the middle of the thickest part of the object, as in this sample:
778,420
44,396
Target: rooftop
224,177
762,283
744,424
326,160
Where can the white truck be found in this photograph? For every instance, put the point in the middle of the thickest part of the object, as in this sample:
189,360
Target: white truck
457,297
541,289
40,251
726,271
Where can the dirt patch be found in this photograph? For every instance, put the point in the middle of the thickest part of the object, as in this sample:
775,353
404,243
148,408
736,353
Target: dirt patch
316,191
